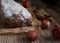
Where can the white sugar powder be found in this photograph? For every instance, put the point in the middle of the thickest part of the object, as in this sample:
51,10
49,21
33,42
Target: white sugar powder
11,7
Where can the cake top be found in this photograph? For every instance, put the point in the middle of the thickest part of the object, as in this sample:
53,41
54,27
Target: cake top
11,7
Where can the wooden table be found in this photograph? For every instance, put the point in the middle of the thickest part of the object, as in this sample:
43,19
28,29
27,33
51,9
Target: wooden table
16,36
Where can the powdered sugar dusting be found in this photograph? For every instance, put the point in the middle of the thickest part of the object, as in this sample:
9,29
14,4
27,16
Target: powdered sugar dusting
11,7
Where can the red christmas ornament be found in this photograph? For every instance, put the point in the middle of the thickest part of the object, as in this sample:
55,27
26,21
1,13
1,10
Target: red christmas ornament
56,33
45,24
26,3
32,35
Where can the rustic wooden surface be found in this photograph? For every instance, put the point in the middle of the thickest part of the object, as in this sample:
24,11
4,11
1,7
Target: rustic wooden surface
44,36
15,36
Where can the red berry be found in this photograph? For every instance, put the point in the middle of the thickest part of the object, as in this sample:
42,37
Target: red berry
45,24
32,35
56,33
26,4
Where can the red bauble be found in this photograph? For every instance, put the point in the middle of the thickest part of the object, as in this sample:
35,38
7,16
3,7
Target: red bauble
45,24
32,35
56,33
26,4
